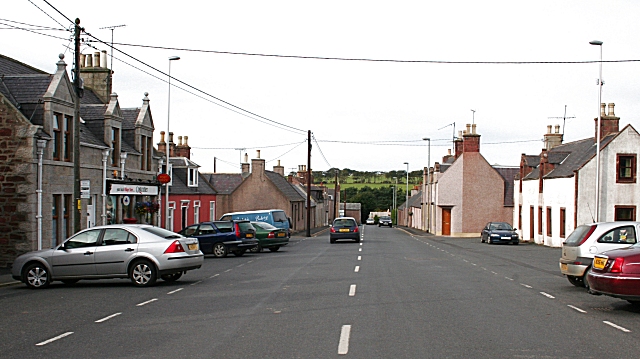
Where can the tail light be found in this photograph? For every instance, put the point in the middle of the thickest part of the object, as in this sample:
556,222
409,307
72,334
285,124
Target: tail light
332,230
355,230
271,235
586,236
616,266
237,230
175,247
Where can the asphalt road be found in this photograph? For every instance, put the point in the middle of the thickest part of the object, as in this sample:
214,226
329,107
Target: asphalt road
393,295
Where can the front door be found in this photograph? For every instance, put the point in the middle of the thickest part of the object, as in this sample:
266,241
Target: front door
76,256
446,221
531,223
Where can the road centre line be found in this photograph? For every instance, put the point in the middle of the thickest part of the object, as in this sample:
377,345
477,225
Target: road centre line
359,249
352,290
576,308
215,275
616,326
240,265
228,270
359,258
526,285
357,269
107,318
54,338
548,295
343,345
175,291
494,272
147,302
508,278
196,282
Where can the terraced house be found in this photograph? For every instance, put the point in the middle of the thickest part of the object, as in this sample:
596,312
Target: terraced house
37,118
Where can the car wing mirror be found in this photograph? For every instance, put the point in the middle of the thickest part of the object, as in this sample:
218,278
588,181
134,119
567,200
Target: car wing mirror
515,229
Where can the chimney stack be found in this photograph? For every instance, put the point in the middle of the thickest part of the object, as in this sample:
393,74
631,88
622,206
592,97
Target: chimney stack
245,166
609,123
471,140
552,139
279,169
457,145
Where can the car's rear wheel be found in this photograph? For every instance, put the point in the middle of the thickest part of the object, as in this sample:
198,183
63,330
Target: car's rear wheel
585,282
516,242
143,274
256,249
171,277
36,276
634,302
219,250
70,281
239,253
274,249
577,281
332,241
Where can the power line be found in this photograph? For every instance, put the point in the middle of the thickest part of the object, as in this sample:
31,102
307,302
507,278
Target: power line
373,60
296,146
37,26
12,27
325,158
46,13
246,148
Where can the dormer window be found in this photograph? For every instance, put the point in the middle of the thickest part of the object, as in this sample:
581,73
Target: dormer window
193,177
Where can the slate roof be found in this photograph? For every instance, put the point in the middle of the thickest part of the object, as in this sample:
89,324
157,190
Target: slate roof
284,186
303,193
179,185
90,98
25,92
9,66
532,160
570,157
509,174
182,162
414,201
129,118
88,137
224,183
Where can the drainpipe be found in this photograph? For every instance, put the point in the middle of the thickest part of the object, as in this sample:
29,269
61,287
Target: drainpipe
123,159
105,156
160,163
41,144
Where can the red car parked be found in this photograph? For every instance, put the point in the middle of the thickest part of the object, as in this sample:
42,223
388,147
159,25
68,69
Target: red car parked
616,273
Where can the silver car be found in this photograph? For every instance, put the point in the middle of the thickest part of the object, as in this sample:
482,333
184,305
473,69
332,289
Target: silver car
139,252
588,240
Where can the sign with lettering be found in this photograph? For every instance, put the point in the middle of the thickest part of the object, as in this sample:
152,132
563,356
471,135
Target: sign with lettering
133,189
85,188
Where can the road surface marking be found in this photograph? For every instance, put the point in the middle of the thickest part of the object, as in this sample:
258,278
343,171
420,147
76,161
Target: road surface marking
228,270
508,278
616,326
525,285
360,243
494,272
147,302
196,282
576,308
359,249
59,337
215,275
107,318
352,290
474,264
240,265
547,295
357,269
343,346
483,268
359,258
466,260
175,291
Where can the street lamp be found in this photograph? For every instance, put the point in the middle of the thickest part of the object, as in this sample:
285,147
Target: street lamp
166,212
597,210
427,187
406,203
395,188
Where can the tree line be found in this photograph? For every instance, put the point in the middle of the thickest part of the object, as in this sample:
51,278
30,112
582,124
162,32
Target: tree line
347,175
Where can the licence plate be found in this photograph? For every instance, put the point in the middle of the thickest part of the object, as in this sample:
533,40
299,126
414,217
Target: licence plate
249,235
281,234
599,262
344,230
564,266
193,247
505,238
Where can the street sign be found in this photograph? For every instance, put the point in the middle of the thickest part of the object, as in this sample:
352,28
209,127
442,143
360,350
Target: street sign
85,188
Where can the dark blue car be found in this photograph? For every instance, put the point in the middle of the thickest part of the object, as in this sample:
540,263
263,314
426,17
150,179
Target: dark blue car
499,232
221,237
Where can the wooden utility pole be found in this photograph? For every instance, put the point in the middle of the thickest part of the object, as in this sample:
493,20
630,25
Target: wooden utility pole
76,130
336,193
309,183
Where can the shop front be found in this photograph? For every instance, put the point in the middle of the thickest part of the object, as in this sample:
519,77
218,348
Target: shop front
132,202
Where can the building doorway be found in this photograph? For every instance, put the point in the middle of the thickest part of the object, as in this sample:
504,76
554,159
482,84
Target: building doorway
446,221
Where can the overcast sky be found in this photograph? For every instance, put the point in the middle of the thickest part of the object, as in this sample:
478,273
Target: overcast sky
355,109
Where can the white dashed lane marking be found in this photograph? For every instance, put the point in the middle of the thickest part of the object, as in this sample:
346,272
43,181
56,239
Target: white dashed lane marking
62,336
107,318
352,290
343,345
357,269
576,308
616,326
547,295
175,291
147,302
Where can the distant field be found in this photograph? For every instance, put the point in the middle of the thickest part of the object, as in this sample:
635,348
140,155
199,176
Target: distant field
360,185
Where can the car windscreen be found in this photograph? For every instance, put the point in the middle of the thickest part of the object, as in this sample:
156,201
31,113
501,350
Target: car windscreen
576,236
501,226
385,218
161,232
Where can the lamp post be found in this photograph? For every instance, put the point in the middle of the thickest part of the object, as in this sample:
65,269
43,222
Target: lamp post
393,206
597,210
105,156
166,209
427,196
406,203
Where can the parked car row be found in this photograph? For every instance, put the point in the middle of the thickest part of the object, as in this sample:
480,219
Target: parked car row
604,258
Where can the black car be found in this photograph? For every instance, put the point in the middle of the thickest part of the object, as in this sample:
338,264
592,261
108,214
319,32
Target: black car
221,237
344,228
499,232
384,221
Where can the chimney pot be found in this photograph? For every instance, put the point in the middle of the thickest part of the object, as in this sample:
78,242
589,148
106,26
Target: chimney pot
473,128
89,60
83,60
548,128
179,140
448,152
186,139
558,129
611,113
246,158
468,128
258,153
103,58
602,106
96,59
278,162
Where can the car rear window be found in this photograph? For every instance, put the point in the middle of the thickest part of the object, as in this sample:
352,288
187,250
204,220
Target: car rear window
263,225
245,226
344,223
161,232
279,216
224,227
577,235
